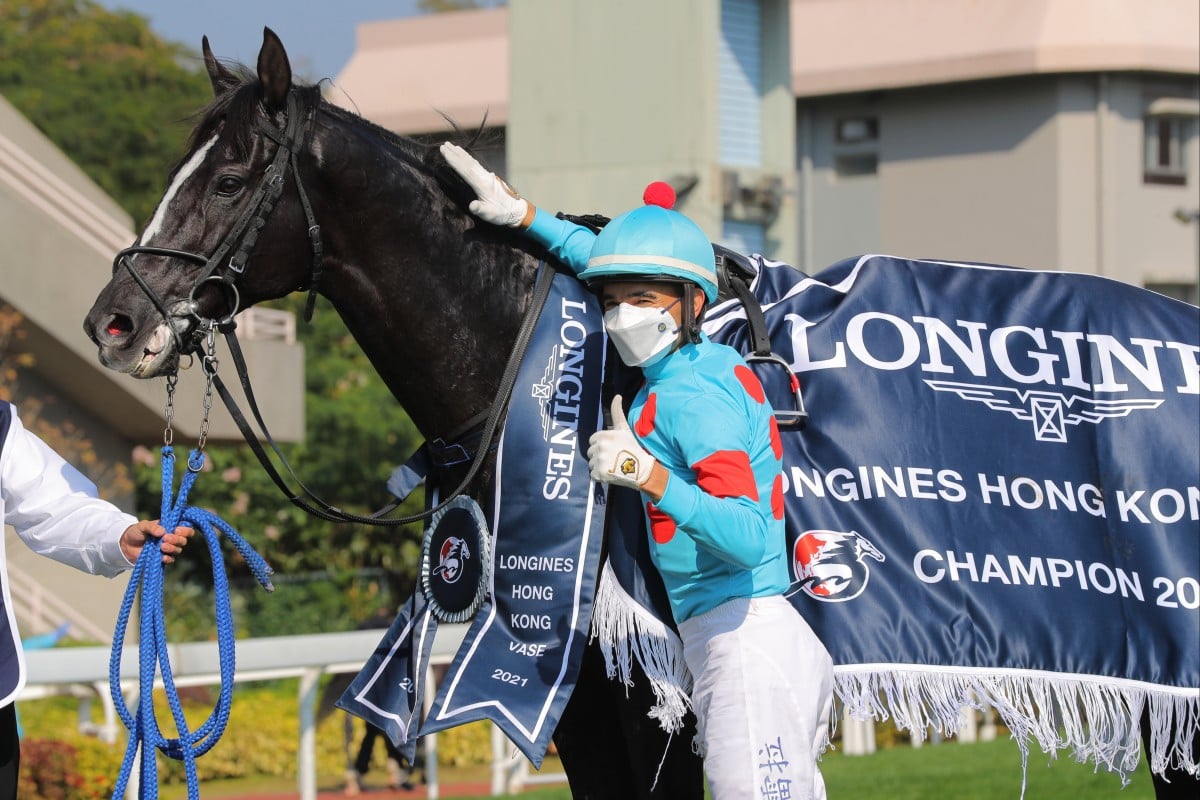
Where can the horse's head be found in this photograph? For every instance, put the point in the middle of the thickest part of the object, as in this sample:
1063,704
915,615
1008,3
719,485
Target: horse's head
192,266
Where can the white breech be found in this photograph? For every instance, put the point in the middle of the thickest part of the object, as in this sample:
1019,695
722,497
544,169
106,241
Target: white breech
763,695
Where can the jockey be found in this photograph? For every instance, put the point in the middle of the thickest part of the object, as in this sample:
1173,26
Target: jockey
705,453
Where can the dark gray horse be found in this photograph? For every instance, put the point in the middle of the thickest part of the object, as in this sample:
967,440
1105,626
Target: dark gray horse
433,298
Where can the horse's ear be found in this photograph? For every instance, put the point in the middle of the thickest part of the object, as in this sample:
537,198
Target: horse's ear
222,79
274,72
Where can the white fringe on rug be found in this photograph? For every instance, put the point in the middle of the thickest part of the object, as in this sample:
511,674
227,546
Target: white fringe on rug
626,631
1097,718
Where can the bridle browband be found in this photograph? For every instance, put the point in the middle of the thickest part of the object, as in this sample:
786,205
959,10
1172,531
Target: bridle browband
244,234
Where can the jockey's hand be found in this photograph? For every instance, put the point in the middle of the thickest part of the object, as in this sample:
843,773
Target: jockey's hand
498,202
614,456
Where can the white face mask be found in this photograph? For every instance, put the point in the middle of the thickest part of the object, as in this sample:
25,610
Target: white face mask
642,335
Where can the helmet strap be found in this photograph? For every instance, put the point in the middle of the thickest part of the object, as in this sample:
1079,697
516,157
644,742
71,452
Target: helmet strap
690,322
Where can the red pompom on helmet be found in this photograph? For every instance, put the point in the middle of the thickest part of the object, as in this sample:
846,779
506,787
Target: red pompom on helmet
659,194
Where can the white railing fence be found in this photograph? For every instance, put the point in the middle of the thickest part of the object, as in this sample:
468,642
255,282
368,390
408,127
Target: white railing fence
40,610
83,672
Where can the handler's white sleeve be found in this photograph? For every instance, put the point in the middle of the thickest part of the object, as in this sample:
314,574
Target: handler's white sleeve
54,508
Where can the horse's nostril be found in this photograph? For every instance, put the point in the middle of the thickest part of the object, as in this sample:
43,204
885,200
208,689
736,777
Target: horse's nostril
118,325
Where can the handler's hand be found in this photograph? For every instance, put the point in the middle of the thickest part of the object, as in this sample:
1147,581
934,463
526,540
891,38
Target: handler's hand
135,537
498,202
614,456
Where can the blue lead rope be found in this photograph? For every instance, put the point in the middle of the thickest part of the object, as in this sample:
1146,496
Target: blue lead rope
144,733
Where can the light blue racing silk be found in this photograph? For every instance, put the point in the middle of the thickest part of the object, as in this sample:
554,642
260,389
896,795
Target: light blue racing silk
718,532
566,241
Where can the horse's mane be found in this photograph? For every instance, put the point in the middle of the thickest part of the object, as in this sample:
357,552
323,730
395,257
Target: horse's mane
236,110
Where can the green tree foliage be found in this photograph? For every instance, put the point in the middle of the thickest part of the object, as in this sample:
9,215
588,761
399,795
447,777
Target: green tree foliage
104,88
119,101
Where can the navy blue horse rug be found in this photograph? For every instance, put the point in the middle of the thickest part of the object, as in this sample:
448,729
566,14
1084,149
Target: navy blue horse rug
995,501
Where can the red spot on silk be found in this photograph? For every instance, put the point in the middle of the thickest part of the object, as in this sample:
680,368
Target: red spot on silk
645,421
662,527
750,383
727,473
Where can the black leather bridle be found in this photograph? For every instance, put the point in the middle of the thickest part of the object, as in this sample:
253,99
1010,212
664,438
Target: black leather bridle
221,267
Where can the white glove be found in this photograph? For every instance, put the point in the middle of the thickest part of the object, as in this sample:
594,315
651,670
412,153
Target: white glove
498,202
614,456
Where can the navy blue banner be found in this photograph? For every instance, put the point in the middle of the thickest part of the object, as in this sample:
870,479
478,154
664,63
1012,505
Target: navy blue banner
519,660
518,663
387,691
1000,478
996,500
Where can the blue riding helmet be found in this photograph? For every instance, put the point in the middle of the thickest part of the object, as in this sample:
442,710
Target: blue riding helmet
653,243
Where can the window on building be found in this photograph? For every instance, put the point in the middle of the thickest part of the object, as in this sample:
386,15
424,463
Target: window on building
1169,123
856,146
1166,149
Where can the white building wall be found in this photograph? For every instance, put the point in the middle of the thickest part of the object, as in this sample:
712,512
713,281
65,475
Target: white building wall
1043,172
967,173
843,215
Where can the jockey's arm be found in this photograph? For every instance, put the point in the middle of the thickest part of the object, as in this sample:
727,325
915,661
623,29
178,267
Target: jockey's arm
566,241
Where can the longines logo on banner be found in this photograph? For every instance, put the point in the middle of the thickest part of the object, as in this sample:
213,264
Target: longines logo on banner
1019,356
829,565
560,392
1050,412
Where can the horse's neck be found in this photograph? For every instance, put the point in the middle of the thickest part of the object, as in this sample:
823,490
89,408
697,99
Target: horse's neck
420,295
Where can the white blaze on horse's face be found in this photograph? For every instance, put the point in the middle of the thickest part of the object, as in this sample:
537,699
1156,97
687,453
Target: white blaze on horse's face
161,344
181,177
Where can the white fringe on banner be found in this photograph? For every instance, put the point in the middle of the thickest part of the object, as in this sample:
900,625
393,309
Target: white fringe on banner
625,630
1097,718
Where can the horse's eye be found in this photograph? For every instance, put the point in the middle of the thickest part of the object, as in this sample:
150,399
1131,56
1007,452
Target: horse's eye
229,185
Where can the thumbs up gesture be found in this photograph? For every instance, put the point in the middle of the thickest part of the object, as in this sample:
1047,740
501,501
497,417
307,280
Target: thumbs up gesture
614,456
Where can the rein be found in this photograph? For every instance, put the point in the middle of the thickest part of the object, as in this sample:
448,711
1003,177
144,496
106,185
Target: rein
154,656
317,507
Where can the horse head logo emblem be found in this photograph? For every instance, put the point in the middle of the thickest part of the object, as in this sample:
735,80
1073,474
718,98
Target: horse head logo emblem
627,465
830,566
450,559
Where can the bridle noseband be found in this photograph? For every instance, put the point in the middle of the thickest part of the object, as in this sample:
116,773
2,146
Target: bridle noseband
224,269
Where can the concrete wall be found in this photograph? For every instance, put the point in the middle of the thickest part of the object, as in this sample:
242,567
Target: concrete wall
1041,171
966,173
604,105
598,108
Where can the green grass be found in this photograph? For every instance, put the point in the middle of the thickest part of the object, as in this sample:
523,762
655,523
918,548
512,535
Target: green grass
953,771
980,771
947,771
